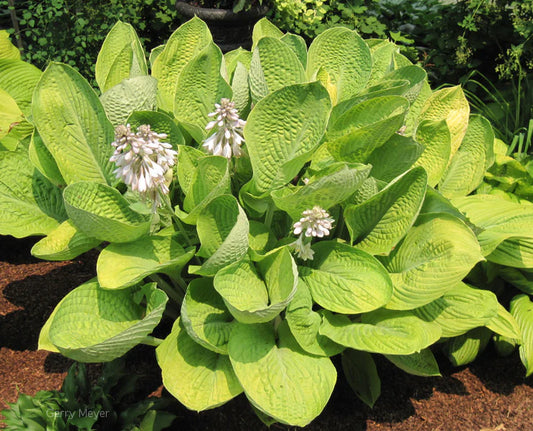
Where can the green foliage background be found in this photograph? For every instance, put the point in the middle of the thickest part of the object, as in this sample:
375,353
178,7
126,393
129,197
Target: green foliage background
72,31
448,39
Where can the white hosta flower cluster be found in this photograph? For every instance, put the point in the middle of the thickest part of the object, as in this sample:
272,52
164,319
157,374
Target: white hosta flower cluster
315,223
227,140
142,160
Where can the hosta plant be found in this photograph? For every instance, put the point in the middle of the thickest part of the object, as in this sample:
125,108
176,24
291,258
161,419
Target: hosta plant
107,404
281,206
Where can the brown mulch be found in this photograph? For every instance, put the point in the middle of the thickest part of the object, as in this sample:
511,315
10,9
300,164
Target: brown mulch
490,394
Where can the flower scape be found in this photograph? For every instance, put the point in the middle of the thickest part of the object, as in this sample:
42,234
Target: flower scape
289,225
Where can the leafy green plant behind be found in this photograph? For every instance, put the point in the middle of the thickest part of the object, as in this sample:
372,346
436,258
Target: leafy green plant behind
310,18
279,207
107,404
72,31
509,109
235,5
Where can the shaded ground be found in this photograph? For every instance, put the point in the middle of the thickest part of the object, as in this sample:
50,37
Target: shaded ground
490,394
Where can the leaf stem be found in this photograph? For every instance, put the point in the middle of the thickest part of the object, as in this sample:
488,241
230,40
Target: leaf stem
168,205
173,293
165,199
151,341
269,215
339,230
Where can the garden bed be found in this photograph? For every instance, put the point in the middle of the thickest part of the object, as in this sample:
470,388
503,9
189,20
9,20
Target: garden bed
489,394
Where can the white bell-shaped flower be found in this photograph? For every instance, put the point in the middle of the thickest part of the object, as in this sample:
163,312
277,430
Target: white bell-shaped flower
227,139
142,160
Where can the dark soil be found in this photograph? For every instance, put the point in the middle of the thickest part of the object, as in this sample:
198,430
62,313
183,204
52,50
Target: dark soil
490,394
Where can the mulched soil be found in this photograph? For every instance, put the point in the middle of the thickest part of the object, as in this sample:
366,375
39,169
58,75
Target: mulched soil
490,394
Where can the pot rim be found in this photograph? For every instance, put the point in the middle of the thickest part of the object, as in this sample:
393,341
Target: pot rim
210,14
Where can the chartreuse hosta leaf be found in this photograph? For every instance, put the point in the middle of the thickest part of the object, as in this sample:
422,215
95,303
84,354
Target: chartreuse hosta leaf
154,53
328,188
258,295
205,316
460,309
121,57
435,203
29,203
345,56
415,75
223,231
382,331
365,127
465,348
507,236
379,223
184,44
346,280
241,91
264,28
200,85
283,130
161,123
43,160
298,45
434,256
277,376
368,189
73,125
7,49
386,88
520,278
362,375
394,157
102,212
504,324
412,118
260,238
274,65
10,114
210,178
522,311
449,104
188,158
92,324
382,60
468,165
233,58
304,324
199,378
124,264
19,79
436,139
133,94
421,363
65,242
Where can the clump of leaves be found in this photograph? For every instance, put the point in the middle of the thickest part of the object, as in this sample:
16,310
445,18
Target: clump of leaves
235,5
72,31
109,404
322,202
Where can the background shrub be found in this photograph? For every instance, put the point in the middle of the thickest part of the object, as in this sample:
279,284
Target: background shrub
450,38
309,18
72,31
